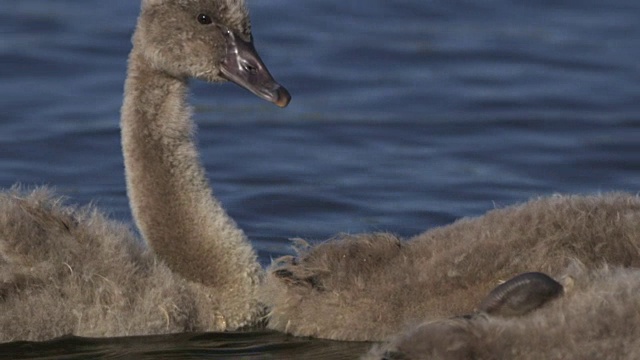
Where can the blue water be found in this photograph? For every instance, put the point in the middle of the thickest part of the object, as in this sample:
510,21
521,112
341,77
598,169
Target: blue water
405,115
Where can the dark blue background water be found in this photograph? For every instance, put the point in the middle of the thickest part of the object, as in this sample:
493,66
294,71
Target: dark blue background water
405,115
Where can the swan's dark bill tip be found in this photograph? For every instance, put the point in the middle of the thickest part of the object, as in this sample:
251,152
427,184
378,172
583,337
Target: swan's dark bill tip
283,97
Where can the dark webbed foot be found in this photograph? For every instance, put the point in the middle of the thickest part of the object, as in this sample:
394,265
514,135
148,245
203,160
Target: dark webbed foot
521,294
454,339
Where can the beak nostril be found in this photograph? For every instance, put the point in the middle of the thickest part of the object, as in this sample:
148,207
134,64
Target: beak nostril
249,68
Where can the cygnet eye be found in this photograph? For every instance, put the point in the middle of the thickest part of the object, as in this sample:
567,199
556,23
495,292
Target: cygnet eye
204,19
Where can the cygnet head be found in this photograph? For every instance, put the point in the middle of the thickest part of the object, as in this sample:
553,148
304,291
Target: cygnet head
205,39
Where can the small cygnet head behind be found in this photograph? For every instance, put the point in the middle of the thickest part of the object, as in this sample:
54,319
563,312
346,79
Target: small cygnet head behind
205,39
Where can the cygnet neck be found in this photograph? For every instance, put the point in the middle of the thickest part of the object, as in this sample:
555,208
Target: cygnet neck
168,190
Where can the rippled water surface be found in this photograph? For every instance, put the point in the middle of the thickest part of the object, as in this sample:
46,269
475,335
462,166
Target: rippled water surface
405,115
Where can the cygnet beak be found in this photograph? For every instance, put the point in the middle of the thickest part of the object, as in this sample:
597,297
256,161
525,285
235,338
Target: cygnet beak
243,66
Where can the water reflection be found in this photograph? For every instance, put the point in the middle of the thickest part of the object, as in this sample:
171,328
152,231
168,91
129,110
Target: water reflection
239,345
